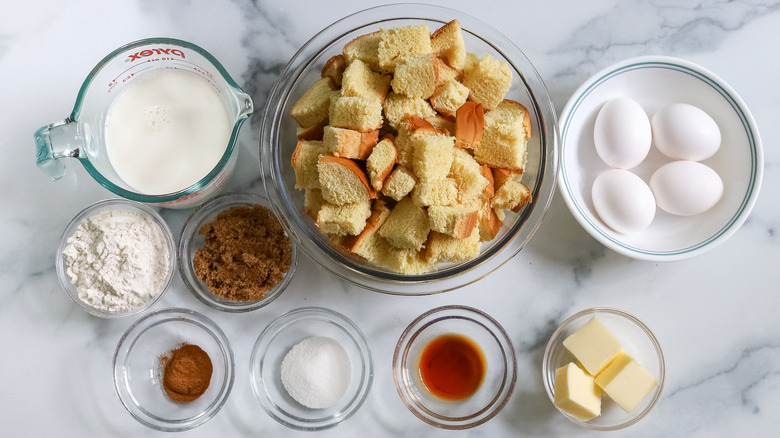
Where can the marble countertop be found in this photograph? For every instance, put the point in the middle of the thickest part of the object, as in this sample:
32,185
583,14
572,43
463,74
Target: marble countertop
715,315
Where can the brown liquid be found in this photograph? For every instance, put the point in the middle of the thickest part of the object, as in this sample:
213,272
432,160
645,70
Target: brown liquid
452,367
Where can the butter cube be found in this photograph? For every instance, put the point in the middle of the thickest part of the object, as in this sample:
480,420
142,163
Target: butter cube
593,346
626,382
576,393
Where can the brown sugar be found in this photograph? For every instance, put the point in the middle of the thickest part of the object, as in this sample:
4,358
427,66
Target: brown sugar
187,373
245,253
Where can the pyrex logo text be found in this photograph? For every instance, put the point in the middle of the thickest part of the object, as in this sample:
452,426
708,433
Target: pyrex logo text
149,52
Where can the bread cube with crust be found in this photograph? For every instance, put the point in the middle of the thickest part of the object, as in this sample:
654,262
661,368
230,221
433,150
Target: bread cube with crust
334,69
488,81
507,130
345,219
415,77
364,48
359,244
359,81
380,163
342,181
398,107
304,162
407,225
456,221
399,183
442,248
469,125
349,143
310,133
445,73
402,42
469,176
437,192
406,261
511,193
448,97
447,43
489,224
312,108
358,113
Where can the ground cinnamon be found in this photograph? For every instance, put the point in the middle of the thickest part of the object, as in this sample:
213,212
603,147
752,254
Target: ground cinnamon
245,253
187,373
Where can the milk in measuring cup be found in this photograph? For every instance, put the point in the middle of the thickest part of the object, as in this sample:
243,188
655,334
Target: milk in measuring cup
166,131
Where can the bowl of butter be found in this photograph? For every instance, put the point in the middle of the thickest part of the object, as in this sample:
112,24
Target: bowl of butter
603,369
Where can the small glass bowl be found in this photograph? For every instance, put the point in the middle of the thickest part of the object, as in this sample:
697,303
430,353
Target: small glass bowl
272,346
138,369
191,241
500,370
97,208
637,340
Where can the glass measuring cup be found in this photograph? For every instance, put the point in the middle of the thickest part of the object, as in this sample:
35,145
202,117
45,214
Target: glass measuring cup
82,134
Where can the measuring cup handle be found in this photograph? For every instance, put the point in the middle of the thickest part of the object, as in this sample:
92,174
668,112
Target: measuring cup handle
53,142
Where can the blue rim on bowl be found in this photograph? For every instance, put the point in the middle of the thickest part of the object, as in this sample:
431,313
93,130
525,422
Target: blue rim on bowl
654,81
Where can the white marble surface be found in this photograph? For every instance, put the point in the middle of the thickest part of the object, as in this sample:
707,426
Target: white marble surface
715,315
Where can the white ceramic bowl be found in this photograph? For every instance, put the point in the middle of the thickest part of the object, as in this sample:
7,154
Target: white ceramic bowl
653,82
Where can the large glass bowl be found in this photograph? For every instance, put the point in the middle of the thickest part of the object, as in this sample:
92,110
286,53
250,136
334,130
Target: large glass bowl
278,140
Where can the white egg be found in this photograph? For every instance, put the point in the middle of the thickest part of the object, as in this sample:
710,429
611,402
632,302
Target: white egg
622,133
686,188
623,201
685,132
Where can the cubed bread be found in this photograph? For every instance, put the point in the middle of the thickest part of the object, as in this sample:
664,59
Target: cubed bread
360,243
442,123
471,181
489,80
438,192
360,81
469,125
444,73
490,188
399,183
312,108
402,42
364,48
304,163
442,248
507,130
358,113
345,219
397,107
405,261
312,202
334,69
456,221
511,193
448,97
432,156
349,143
380,163
407,225
415,77
447,42
489,224
342,181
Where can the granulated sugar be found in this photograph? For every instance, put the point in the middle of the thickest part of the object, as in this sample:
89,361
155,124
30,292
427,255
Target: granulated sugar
316,372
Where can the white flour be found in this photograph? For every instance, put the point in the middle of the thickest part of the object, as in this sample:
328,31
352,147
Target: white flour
117,259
